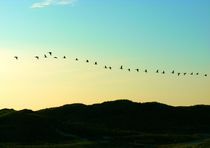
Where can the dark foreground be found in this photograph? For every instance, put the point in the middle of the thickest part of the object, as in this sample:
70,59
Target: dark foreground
108,125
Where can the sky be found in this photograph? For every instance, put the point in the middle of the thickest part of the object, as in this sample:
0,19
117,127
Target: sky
144,34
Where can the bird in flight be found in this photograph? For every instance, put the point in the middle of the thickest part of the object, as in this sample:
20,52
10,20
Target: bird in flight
45,56
105,67
76,59
179,74
172,72
163,72
87,61
157,71
145,71
137,70
185,73
16,57
55,57
191,73
50,53
129,69
121,67
110,68
197,73
37,57
205,75
64,57
96,63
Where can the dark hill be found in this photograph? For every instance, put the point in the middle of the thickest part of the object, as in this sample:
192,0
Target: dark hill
109,119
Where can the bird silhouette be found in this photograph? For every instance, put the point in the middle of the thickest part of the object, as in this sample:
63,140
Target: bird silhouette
145,71
163,72
45,56
77,59
137,70
37,57
205,75
191,73
129,69
16,57
110,68
172,72
55,57
157,71
50,53
185,73
121,67
105,67
87,61
95,63
179,74
64,57
197,73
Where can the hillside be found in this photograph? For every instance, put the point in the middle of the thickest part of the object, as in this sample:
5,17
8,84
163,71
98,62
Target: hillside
119,122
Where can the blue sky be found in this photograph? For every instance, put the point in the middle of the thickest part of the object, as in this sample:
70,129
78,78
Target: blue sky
146,33
127,28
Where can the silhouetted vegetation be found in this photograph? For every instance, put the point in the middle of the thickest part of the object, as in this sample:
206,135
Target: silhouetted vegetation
117,123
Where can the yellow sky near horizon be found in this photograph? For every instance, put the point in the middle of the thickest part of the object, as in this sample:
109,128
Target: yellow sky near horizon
32,84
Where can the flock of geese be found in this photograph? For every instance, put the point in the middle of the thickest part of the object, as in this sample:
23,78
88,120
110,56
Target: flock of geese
121,67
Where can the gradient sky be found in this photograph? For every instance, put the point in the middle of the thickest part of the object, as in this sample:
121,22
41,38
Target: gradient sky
152,34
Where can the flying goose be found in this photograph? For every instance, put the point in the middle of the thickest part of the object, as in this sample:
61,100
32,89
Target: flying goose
16,57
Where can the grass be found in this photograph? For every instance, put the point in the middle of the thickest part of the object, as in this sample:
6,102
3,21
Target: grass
204,143
128,142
